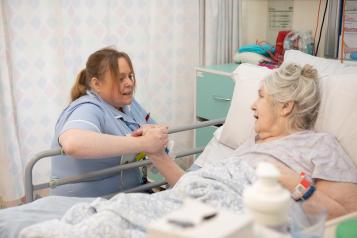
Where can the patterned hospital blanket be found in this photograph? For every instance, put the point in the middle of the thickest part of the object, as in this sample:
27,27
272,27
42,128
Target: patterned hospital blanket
219,184
126,215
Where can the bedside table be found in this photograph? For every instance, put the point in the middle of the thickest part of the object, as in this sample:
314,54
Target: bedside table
214,90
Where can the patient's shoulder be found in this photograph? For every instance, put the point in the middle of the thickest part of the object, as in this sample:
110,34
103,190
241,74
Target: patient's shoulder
330,160
326,140
322,143
314,138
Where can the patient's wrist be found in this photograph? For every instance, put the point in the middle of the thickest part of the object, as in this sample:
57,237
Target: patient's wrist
162,155
304,189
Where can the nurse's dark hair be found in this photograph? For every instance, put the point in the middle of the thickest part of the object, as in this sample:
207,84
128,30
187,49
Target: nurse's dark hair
97,64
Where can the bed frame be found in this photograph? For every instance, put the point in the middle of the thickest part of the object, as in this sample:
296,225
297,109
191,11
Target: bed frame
30,187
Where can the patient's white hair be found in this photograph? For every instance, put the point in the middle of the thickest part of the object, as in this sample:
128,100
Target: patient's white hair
292,82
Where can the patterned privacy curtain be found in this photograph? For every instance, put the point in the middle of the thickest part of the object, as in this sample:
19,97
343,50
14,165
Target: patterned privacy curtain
219,31
44,44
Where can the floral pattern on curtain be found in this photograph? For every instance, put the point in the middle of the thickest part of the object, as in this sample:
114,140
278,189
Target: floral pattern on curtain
44,44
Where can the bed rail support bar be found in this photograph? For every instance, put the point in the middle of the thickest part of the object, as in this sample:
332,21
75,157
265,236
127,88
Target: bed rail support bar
106,172
30,188
29,167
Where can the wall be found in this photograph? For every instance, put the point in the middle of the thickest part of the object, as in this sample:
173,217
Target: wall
255,16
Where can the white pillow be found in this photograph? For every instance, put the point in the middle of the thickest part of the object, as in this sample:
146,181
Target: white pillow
339,94
240,121
324,67
338,110
250,57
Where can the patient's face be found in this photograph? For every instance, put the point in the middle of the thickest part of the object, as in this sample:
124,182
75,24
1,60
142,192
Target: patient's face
266,115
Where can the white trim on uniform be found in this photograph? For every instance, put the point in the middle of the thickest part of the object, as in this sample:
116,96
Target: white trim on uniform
88,122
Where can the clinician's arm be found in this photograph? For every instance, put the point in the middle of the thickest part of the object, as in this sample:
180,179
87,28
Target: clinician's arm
88,144
82,136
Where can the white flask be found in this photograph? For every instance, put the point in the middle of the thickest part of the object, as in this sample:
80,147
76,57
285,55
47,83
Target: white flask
266,200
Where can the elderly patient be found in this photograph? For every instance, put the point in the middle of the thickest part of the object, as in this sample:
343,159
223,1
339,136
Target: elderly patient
285,112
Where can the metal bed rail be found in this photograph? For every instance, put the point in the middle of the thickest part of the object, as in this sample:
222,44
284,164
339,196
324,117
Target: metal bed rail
30,187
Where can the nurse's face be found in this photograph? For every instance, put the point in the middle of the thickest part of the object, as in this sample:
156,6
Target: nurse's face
118,94
267,117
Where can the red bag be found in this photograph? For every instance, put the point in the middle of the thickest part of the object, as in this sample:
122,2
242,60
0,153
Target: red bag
279,47
278,55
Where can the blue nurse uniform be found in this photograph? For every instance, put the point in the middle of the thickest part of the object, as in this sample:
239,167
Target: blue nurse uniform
90,112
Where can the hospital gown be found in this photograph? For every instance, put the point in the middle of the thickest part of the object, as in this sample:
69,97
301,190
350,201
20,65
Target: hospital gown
219,184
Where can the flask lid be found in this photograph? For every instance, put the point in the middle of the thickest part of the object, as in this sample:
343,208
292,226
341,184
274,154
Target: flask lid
266,199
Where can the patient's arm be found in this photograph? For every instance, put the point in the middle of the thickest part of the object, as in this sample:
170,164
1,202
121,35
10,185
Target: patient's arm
344,194
338,198
167,167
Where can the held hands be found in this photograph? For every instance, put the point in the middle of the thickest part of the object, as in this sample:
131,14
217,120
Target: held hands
143,128
154,138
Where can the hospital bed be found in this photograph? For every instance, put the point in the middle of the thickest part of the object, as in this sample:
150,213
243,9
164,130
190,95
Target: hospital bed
337,116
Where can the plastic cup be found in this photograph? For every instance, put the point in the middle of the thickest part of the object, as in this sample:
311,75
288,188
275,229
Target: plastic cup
308,220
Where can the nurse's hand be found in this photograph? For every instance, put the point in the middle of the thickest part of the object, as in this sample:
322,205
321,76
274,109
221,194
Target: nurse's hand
142,129
154,139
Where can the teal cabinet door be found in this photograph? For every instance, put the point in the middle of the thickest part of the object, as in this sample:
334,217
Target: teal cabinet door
214,95
214,91
204,135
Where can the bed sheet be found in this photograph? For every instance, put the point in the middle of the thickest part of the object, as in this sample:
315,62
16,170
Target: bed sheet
40,210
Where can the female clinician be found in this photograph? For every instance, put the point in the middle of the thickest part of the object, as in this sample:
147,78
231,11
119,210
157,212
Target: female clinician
95,129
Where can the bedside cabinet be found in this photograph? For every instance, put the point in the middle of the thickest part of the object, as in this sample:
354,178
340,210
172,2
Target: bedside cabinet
214,90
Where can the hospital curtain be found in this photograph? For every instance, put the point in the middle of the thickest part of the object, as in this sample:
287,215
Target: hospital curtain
11,164
332,29
44,44
219,31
